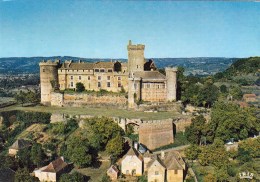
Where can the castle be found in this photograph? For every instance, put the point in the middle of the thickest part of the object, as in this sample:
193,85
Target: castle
140,78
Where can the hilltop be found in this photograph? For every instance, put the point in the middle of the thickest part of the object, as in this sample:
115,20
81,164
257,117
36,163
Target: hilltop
193,66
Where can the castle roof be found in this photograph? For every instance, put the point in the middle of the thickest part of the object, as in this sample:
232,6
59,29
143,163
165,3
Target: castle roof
88,66
20,144
77,66
55,166
150,75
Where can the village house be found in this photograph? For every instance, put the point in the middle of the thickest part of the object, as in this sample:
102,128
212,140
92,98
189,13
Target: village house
18,145
53,171
249,97
112,172
168,166
132,163
156,170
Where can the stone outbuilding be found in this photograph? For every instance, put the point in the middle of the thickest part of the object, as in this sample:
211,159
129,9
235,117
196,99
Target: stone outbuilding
112,172
53,171
132,163
18,145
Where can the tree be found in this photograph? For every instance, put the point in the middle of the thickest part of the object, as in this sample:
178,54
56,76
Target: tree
115,146
78,151
80,87
210,177
75,176
196,129
192,152
213,155
100,131
208,94
23,156
23,175
228,120
223,89
37,154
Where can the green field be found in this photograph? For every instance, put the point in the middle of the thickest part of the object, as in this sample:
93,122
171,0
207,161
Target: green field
108,112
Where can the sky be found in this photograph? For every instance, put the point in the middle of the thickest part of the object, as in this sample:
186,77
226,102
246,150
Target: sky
102,29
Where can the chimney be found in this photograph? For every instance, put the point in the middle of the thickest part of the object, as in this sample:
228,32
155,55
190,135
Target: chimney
162,154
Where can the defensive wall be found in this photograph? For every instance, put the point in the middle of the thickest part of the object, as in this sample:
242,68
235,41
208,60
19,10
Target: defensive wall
154,134
84,99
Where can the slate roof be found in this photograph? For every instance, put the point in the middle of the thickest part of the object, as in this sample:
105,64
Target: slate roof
113,168
77,66
55,166
20,144
155,158
173,161
7,175
133,152
150,75
70,65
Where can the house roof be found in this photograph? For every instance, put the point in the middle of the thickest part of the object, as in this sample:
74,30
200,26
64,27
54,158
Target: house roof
149,75
133,152
55,166
7,175
113,168
104,65
173,161
249,95
155,159
20,144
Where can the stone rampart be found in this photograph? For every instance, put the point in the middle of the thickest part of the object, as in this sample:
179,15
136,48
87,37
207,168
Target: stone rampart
155,134
82,99
181,124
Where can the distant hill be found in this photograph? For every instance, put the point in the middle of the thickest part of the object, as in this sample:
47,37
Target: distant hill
243,71
194,66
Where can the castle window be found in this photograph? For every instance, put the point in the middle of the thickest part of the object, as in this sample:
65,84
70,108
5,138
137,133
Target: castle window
71,77
79,77
88,77
43,70
175,171
148,85
96,70
102,70
71,84
137,66
119,78
135,85
108,77
156,172
99,77
109,70
119,84
99,84
108,84
158,86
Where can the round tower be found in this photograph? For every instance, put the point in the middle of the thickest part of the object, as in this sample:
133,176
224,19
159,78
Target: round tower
135,57
171,83
48,80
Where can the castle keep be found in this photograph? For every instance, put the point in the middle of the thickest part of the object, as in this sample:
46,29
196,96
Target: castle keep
138,77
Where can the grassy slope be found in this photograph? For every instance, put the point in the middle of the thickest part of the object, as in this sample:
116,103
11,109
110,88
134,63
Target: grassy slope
108,112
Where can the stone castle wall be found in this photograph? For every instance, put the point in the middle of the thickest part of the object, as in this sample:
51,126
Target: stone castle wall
155,134
81,99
